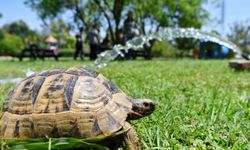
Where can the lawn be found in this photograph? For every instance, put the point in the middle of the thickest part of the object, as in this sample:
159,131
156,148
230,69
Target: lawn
200,104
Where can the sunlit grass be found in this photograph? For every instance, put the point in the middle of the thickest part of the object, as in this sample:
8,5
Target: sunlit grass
200,104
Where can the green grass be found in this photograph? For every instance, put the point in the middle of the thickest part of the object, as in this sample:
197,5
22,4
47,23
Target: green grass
200,104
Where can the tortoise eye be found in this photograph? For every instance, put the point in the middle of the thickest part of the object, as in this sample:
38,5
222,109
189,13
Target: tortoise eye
146,104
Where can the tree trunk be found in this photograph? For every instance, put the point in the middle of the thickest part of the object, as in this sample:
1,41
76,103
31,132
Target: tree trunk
108,19
117,10
80,15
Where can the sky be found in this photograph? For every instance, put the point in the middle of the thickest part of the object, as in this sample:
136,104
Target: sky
235,10
13,10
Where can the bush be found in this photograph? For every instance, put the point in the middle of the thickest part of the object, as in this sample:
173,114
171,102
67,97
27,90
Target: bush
1,34
70,42
11,45
164,49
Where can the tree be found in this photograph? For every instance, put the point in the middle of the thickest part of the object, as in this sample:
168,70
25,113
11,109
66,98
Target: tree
184,14
19,28
48,10
59,29
85,13
111,13
240,34
160,13
1,34
11,45
1,31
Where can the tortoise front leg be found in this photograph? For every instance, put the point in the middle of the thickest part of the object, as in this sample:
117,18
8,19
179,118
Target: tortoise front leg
131,139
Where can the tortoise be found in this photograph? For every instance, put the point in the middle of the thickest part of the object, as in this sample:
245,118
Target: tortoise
71,102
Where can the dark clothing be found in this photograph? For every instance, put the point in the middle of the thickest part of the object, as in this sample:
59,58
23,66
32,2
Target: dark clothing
93,37
105,45
79,47
33,53
94,50
130,29
78,52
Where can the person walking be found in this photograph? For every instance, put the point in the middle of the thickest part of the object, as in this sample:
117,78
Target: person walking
79,45
94,42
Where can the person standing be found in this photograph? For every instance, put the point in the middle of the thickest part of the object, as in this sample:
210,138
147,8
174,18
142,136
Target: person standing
32,48
79,45
121,39
130,27
105,45
94,41
37,47
130,31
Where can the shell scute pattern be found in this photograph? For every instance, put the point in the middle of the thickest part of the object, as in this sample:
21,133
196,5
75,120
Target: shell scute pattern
69,88
111,87
82,72
51,96
51,72
90,98
75,102
21,100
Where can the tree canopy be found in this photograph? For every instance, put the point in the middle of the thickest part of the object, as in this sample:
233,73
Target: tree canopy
19,28
110,14
1,32
10,44
240,34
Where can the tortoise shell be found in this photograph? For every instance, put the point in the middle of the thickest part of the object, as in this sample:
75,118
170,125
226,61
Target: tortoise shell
74,102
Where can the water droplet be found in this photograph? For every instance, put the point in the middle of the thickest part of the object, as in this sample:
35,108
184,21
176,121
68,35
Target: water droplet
163,34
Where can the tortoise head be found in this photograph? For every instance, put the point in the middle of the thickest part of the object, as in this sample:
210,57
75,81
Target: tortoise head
141,108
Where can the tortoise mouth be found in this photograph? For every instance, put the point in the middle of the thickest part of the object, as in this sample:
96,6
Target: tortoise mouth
146,109
142,108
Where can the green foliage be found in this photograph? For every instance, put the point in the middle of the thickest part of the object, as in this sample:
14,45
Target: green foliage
51,144
19,28
60,30
180,13
163,49
1,34
60,143
48,10
240,34
185,46
110,13
70,42
185,13
11,45
52,7
199,104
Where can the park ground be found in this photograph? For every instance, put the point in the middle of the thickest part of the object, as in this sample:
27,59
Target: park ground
199,104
